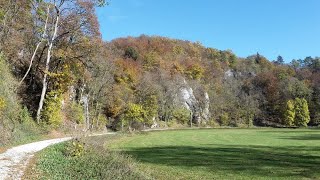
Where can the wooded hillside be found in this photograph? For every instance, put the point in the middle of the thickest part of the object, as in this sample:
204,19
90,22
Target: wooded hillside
65,76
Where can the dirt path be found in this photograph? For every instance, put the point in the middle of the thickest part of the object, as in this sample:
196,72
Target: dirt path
14,161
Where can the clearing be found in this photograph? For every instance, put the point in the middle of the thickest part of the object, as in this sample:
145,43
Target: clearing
226,153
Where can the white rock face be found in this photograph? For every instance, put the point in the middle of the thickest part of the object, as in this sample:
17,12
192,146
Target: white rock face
205,111
188,98
228,73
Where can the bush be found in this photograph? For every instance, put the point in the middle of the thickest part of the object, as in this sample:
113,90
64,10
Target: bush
75,148
224,119
181,116
213,123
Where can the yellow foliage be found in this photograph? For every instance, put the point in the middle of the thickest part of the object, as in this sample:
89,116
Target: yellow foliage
194,72
177,50
2,103
52,113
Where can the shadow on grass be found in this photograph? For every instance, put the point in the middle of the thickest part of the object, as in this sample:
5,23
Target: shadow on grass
261,161
292,131
311,137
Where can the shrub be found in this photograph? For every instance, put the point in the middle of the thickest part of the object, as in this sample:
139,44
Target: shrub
224,119
75,148
181,115
213,123
96,163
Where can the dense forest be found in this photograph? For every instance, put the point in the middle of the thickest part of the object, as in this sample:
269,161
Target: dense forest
56,72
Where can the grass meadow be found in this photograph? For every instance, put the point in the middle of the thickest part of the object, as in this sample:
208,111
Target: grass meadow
226,153
186,154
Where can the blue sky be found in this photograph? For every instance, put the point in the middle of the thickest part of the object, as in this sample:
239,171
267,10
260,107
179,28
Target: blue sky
290,28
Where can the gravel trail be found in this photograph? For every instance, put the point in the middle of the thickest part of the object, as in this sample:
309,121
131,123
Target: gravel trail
13,162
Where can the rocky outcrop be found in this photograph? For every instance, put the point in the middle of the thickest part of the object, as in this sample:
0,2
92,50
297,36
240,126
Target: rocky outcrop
199,108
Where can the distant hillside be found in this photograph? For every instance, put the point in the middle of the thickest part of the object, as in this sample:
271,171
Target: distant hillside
168,79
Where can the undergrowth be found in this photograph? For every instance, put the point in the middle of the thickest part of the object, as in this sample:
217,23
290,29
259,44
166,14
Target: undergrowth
82,159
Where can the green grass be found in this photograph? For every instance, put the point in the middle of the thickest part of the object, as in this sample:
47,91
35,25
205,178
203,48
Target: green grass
95,162
226,153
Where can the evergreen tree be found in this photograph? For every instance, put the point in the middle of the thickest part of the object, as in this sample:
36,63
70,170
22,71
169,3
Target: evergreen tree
280,60
302,117
289,115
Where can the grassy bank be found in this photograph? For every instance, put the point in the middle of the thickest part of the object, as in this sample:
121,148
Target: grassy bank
84,159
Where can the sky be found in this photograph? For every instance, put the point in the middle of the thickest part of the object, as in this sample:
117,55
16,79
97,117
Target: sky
290,28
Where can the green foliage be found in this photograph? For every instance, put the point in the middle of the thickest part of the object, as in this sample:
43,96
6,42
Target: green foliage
289,115
213,123
298,89
96,163
25,115
75,148
52,112
16,123
302,115
150,107
224,119
151,61
232,61
132,53
181,115
2,104
2,15
134,113
75,113
9,104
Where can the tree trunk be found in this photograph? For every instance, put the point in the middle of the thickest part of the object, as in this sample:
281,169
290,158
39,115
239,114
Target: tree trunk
85,101
47,67
37,47
191,118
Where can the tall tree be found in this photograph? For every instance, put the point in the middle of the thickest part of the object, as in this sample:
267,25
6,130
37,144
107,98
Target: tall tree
302,116
290,114
48,59
279,60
